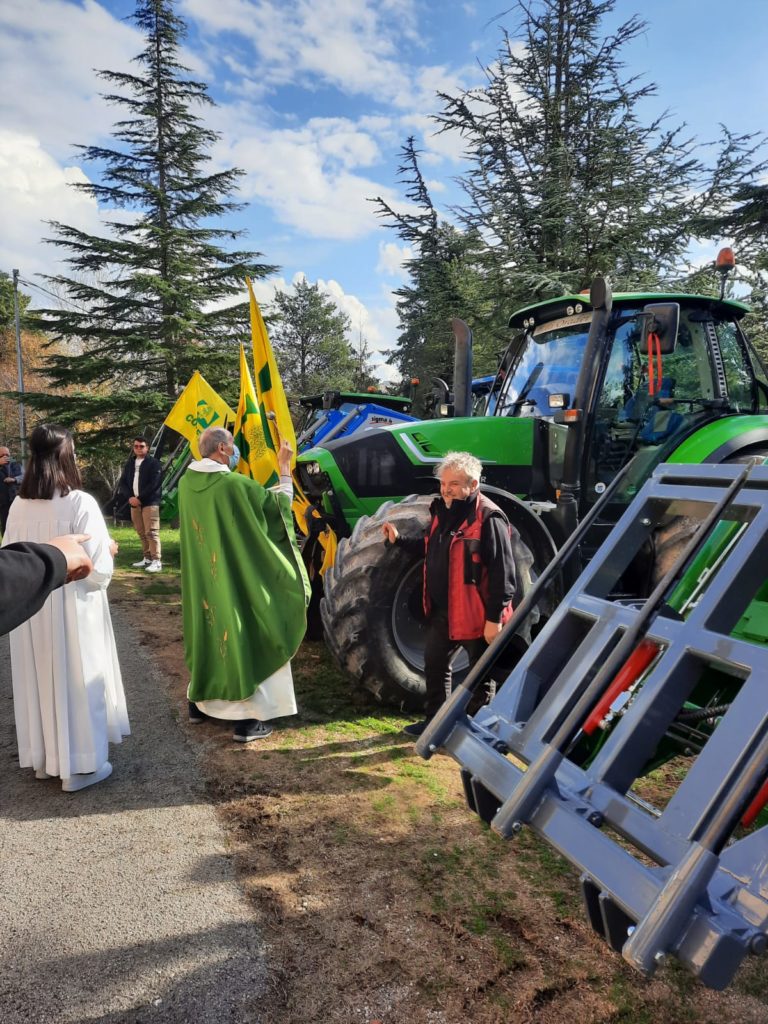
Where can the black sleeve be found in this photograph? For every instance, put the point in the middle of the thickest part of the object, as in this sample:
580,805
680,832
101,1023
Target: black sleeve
28,573
496,555
413,545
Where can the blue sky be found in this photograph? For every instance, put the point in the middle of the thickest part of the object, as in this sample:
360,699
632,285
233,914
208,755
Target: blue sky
314,100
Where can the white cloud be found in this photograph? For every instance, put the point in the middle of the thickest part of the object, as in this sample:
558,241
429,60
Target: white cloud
48,50
392,258
349,44
307,175
378,324
36,188
436,147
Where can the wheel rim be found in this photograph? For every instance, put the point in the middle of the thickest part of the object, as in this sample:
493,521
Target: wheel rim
409,625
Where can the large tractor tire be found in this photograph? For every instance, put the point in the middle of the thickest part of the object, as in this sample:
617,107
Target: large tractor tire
372,609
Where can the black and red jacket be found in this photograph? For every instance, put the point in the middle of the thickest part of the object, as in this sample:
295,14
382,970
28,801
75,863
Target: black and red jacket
469,568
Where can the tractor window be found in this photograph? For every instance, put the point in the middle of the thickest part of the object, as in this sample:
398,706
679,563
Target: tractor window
637,412
545,364
738,373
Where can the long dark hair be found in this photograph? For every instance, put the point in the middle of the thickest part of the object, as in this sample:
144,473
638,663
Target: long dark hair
51,468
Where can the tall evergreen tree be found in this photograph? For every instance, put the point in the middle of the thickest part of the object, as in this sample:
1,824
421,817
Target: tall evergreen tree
444,280
565,179
148,304
309,337
745,223
363,376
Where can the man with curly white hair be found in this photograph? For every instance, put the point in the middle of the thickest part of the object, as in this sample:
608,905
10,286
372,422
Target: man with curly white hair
469,574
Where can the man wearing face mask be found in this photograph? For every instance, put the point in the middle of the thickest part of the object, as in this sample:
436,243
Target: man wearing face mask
244,589
469,576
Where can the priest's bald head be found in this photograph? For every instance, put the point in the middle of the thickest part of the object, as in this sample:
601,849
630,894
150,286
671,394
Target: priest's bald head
216,443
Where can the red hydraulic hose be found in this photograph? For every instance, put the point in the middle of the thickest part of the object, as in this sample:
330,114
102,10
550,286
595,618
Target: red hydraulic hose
756,806
629,673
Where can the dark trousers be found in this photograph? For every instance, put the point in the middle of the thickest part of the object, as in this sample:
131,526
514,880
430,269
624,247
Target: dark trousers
438,650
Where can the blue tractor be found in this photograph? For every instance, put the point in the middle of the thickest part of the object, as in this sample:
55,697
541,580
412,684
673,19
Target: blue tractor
335,414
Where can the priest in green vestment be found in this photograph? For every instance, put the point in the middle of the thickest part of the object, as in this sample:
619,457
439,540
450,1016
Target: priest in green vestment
244,589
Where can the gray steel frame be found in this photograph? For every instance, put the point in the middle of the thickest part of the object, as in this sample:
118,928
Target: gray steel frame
678,882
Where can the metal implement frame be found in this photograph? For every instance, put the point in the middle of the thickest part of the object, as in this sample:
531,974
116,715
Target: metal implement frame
655,882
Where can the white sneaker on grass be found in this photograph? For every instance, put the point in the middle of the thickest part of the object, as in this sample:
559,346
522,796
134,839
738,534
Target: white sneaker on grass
142,564
155,566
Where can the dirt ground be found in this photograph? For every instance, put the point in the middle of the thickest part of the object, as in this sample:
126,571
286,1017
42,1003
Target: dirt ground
381,898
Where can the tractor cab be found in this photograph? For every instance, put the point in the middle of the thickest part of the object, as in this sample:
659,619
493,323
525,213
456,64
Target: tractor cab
631,382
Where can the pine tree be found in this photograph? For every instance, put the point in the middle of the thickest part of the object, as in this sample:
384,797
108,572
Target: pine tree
147,305
444,281
565,179
309,337
745,223
363,376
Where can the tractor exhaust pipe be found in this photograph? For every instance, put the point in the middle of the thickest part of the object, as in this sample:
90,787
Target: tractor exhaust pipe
462,368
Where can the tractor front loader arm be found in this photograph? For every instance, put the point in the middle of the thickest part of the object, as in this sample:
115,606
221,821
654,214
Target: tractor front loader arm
554,753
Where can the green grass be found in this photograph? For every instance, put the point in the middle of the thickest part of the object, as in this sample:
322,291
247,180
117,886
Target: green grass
130,551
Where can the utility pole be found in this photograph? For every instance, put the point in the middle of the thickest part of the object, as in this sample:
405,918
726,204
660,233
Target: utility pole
19,366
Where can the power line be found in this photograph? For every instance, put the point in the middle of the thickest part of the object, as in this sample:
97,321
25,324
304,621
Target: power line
59,298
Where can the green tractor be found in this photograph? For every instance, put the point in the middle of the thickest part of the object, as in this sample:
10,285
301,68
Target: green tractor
590,386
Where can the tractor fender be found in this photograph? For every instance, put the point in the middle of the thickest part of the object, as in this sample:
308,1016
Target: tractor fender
723,439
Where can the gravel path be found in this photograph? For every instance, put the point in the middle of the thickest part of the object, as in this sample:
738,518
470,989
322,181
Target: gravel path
118,904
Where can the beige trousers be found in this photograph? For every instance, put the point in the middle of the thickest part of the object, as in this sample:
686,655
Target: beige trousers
146,522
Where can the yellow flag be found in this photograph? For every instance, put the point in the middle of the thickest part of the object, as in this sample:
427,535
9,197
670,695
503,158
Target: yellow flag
269,386
276,418
328,542
197,407
257,455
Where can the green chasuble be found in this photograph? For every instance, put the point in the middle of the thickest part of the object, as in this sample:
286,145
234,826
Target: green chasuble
244,589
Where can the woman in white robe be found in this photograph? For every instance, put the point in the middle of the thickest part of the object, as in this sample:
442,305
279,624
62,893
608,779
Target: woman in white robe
68,694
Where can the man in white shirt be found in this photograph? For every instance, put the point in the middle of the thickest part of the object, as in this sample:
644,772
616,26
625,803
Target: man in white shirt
141,483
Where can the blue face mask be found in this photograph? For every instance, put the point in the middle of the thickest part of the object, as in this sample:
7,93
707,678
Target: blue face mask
234,458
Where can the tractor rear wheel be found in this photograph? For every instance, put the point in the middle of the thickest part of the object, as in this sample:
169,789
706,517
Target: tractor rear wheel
372,606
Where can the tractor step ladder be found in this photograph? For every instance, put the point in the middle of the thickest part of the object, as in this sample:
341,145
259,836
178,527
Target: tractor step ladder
673,881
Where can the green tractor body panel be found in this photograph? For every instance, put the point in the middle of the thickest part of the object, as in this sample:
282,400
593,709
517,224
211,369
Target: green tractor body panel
355,477
716,440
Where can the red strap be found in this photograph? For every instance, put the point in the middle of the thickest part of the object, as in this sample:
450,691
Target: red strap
654,363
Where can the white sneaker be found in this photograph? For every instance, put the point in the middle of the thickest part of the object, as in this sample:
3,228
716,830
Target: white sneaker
155,566
144,562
